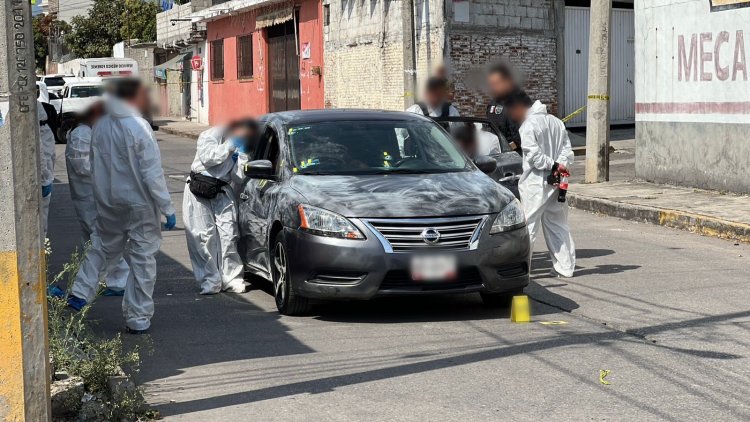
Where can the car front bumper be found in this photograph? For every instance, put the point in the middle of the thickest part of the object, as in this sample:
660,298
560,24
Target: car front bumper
330,268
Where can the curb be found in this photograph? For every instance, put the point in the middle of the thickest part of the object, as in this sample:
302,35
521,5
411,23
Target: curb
178,132
694,223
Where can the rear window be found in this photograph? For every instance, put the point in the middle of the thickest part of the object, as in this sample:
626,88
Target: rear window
85,91
54,81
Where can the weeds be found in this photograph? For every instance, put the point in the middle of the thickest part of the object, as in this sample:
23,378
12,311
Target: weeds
75,349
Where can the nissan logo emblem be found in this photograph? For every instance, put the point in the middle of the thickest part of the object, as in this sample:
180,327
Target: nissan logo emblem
430,236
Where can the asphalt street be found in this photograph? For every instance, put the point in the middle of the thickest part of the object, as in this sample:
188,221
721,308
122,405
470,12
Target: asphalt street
665,311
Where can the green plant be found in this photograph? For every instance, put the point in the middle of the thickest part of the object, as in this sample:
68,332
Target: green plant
75,349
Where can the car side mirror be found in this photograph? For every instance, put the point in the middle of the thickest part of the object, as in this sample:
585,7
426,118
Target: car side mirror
485,163
258,169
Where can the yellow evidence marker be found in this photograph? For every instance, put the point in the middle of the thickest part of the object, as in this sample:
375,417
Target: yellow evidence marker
520,310
603,374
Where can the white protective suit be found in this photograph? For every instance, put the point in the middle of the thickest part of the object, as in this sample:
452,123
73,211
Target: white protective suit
211,225
545,141
46,162
77,154
130,192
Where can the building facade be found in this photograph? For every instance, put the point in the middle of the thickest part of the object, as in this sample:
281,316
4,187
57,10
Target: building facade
368,64
693,93
182,85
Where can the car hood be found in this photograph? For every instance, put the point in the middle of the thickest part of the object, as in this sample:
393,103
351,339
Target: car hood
404,196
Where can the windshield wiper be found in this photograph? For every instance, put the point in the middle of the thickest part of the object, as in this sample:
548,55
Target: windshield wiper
405,171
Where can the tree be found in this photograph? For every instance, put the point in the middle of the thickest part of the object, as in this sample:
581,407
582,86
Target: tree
95,34
139,20
40,24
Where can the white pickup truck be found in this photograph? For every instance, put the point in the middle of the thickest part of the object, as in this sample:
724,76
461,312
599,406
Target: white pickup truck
76,96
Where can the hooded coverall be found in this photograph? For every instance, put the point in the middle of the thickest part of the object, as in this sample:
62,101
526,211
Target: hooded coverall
129,191
545,142
211,224
78,164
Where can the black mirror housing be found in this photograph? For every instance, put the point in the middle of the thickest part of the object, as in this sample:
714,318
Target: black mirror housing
486,164
258,169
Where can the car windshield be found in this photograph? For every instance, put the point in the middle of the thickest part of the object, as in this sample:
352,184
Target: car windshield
85,91
373,147
54,81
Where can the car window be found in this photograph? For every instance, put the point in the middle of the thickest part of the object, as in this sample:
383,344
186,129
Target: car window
85,91
54,81
373,147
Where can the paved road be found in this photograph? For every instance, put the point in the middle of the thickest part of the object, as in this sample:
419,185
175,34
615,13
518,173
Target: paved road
666,311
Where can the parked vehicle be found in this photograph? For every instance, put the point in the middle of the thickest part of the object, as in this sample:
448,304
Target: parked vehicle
107,66
509,163
55,82
75,97
350,204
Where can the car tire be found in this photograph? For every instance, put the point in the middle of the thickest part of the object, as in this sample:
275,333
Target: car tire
499,300
287,301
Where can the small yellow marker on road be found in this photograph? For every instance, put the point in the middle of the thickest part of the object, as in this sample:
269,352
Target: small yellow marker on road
603,374
553,322
520,309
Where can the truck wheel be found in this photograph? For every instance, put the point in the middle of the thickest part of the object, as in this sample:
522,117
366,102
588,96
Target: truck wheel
287,302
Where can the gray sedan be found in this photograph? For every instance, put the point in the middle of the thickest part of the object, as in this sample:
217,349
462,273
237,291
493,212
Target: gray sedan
353,204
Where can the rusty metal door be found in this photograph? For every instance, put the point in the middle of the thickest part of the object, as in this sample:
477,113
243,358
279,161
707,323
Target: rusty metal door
283,68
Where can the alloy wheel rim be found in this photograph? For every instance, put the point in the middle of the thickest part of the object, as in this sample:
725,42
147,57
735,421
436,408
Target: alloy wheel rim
279,263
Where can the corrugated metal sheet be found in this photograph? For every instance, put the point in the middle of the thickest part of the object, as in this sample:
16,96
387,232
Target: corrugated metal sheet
622,89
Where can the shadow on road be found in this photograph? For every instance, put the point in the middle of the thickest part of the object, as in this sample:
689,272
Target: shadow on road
326,384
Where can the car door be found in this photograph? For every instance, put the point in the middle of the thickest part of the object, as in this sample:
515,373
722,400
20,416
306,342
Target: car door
257,204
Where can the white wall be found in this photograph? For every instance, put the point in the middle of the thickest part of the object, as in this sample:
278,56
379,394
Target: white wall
721,43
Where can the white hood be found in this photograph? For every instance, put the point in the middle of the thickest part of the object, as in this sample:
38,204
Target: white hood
537,109
43,93
119,108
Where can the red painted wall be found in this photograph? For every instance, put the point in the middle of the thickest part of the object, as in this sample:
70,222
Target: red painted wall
233,98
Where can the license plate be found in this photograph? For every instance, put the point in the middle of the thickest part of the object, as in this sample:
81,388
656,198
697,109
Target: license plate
433,267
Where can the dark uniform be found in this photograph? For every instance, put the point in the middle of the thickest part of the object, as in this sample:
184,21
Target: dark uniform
508,128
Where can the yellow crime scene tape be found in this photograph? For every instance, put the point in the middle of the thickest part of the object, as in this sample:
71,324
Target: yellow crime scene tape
599,97
573,114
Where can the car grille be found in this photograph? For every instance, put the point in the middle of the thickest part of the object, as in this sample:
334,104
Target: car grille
401,280
405,235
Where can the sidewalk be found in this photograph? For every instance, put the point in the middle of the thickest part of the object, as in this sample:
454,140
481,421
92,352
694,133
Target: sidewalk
180,127
710,213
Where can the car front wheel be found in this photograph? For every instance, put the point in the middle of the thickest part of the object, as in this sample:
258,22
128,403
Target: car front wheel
287,302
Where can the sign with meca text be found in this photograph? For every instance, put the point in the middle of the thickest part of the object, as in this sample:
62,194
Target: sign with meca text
692,61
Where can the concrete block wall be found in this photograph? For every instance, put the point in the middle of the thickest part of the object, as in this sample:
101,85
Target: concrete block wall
364,51
522,31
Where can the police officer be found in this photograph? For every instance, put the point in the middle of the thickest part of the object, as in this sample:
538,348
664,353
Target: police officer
502,85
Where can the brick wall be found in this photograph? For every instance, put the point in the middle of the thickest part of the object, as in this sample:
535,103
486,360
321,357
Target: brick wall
522,31
364,51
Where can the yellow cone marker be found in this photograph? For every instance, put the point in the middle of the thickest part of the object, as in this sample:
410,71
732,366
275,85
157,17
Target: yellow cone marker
519,309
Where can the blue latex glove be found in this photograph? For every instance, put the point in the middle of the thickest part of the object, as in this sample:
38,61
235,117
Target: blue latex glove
238,142
235,156
46,190
171,222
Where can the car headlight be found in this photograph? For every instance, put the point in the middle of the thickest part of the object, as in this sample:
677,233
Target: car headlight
511,218
326,223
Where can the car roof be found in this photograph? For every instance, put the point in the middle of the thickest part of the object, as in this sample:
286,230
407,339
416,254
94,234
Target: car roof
329,115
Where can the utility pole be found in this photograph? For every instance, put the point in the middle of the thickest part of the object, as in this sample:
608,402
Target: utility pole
24,362
597,114
410,53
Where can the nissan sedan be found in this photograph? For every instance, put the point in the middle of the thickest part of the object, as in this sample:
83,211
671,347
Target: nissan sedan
354,204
